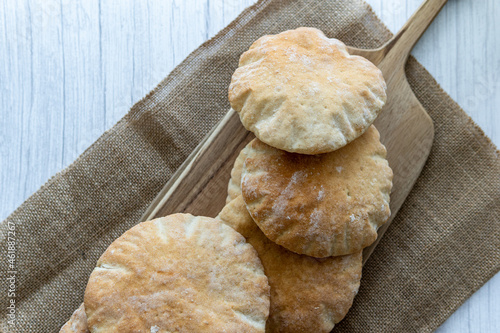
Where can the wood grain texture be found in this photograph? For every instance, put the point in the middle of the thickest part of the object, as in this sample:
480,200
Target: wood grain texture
199,185
71,69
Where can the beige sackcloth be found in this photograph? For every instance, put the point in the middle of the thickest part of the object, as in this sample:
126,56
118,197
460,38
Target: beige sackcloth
442,246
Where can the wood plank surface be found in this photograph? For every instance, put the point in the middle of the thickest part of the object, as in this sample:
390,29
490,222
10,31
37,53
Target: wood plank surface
71,69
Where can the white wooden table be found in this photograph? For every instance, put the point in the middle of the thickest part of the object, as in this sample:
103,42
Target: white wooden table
70,69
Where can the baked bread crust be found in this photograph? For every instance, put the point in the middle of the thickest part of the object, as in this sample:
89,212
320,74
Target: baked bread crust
178,273
322,205
77,323
307,294
234,185
302,92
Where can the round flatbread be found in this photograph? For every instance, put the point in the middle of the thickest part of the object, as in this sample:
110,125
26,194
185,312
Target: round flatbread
77,323
234,185
307,294
302,92
322,205
178,273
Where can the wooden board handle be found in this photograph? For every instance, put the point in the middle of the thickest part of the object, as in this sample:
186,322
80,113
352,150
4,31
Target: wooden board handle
398,49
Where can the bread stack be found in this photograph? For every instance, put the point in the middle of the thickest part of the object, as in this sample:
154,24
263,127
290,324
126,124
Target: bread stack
305,197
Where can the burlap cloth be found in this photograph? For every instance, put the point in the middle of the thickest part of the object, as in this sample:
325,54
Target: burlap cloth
442,246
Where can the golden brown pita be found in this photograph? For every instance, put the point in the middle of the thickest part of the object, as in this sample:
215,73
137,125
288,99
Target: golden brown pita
307,294
178,273
320,205
77,323
302,92
234,185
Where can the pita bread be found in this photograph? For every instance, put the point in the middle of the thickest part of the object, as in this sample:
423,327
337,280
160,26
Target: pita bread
322,205
302,92
234,185
77,323
178,273
307,294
